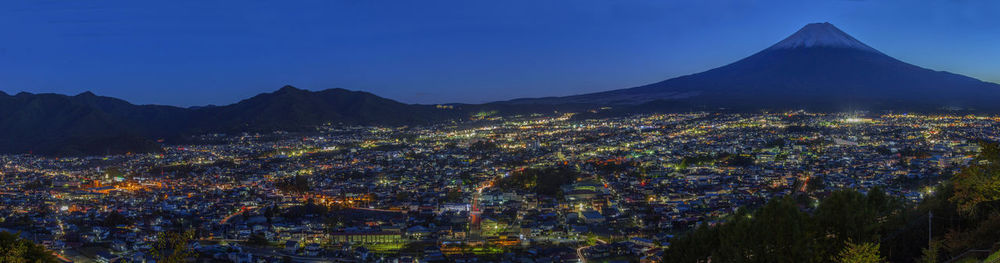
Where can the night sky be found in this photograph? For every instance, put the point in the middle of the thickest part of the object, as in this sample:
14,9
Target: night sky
217,52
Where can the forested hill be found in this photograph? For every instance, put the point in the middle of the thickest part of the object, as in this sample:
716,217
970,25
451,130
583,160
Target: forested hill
848,225
87,124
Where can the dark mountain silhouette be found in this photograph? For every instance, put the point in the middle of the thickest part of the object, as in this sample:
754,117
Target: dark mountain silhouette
87,124
819,67
81,124
291,108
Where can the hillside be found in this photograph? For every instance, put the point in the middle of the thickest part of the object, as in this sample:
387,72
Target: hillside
819,67
87,124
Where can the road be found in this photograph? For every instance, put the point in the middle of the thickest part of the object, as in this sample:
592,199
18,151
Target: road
579,251
377,210
240,212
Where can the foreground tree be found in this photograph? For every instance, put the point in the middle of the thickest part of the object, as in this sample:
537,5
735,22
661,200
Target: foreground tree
14,249
781,231
860,253
977,187
172,247
930,254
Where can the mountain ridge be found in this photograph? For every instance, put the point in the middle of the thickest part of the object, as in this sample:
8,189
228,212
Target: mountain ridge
88,124
819,67
809,69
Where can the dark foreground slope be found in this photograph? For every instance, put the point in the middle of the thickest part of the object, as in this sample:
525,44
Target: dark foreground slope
963,213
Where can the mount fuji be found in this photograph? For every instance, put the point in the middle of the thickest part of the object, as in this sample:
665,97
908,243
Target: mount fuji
818,67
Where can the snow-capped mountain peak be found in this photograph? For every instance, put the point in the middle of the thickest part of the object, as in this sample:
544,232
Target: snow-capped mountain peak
821,35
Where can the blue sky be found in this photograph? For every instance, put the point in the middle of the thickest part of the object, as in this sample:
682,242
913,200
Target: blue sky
217,52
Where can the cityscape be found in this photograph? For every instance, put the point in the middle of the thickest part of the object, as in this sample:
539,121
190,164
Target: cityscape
618,188
584,131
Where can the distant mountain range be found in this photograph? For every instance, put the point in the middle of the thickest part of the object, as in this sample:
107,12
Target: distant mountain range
87,124
818,68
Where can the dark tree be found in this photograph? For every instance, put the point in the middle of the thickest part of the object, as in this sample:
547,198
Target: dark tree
16,249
